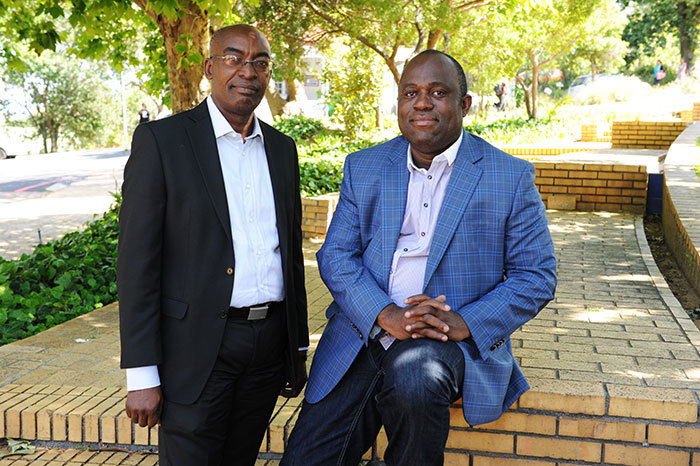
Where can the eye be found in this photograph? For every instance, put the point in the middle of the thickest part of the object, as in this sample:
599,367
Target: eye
409,93
232,60
439,92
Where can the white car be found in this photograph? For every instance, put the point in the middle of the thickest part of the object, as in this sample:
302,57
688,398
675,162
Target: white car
606,87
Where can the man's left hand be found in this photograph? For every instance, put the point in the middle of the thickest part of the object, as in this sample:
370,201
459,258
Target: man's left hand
289,391
429,322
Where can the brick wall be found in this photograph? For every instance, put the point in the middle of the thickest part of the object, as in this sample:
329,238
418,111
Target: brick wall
645,134
679,241
523,152
572,432
687,116
316,214
696,111
589,133
592,186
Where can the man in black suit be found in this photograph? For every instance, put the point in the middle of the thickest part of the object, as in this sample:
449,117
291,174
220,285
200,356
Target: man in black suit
210,270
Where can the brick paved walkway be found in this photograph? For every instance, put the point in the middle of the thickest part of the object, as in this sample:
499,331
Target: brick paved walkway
609,345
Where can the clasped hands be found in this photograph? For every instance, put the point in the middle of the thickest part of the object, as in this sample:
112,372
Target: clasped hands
423,317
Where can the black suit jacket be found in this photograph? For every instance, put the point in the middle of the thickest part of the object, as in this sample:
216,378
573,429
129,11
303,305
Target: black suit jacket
176,253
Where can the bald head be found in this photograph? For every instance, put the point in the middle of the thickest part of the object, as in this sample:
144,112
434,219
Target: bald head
236,29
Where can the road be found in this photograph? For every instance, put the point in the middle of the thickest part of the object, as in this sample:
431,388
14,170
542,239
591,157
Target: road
51,194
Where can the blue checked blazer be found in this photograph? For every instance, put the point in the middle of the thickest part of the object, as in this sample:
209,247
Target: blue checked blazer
491,256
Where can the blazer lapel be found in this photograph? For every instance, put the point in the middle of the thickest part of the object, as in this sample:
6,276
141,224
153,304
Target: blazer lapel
201,134
463,181
392,204
276,161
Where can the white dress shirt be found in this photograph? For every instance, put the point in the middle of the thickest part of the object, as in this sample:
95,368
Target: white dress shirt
258,274
426,191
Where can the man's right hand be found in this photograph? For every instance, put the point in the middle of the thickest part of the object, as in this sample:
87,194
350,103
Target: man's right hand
144,406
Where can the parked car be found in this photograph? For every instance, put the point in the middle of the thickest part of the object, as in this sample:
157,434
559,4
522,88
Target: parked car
3,154
617,87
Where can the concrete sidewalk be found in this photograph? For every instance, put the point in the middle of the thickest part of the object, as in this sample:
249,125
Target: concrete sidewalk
612,342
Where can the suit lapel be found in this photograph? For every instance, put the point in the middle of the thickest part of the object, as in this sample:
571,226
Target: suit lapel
276,163
394,190
201,134
463,181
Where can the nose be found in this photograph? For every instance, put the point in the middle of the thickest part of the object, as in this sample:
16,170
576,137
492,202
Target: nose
247,70
423,101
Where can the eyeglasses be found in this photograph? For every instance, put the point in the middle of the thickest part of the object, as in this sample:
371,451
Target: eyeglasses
234,61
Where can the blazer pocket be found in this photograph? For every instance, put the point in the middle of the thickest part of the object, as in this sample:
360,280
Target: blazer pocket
173,308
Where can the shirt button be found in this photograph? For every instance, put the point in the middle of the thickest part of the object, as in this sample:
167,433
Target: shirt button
250,220
430,177
247,186
229,271
422,233
425,205
223,314
405,249
258,252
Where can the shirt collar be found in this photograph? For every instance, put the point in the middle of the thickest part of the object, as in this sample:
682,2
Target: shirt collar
448,155
222,127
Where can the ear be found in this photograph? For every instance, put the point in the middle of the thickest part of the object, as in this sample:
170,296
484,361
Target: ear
466,104
207,68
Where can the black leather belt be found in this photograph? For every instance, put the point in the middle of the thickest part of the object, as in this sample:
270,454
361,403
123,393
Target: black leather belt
257,312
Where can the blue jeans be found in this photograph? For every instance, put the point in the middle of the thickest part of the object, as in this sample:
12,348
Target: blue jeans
407,388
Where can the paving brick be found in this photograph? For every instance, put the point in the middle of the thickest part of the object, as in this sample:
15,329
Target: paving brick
499,461
600,429
652,403
627,454
567,397
480,441
674,435
558,448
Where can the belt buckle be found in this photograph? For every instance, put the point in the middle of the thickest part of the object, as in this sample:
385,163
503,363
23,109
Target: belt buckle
258,312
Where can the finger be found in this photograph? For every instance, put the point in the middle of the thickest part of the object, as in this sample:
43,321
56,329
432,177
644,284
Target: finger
436,322
429,306
430,332
143,419
418,325
416,298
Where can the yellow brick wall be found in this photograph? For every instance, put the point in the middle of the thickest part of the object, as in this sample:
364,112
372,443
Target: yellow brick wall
593,186
645,134
589,133
680,244
696,111
316,214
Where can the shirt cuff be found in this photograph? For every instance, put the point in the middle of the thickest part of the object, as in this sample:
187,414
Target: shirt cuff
141,378
304,348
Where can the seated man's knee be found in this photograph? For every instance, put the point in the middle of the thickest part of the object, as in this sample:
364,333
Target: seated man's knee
423,373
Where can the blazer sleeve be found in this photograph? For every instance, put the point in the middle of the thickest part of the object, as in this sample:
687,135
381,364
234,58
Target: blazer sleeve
342,267
298,259
529,269
139,254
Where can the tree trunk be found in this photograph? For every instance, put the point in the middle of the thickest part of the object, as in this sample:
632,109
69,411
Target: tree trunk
275,101
535,85
688,45
185,71
521,83
594,68
53,133
433,38
44,137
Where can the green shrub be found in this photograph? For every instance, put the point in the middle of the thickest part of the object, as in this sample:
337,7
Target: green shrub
320,177
60,280
321,162
513,130
298,127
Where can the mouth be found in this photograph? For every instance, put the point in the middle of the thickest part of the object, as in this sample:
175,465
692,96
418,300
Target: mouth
244,89
423,120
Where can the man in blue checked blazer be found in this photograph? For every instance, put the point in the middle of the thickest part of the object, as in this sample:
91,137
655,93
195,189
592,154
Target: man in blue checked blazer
438,251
